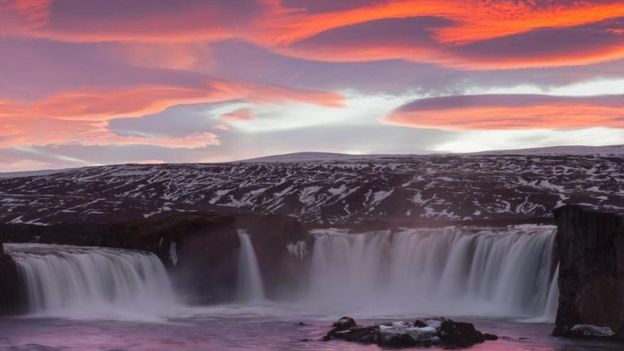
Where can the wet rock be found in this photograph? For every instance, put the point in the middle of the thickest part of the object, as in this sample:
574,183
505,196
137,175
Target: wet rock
409,334
344,323
200,250
428,332
490,337
460,334
587,330
10,286
590,246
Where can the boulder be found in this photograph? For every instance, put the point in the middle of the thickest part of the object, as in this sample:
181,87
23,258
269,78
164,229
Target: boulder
344,323
587,330
428,332
590,247
460,334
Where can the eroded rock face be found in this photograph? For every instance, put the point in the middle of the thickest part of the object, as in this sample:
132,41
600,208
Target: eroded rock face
200,249
9,285
427,332
591,274
282,246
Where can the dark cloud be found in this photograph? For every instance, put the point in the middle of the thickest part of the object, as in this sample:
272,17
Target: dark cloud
564,44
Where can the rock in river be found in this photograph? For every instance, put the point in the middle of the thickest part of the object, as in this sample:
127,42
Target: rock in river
426,332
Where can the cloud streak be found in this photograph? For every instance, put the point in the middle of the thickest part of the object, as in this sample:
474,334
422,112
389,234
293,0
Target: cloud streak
492,112
468,34
82,116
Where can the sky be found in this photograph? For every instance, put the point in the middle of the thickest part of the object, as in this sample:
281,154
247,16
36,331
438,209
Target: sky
97,82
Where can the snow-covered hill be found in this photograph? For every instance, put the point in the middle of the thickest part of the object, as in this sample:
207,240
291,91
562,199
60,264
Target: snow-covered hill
332,191
610,150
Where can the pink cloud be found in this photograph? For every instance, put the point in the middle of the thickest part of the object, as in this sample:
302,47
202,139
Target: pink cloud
81,116
486,112
318,32
106,104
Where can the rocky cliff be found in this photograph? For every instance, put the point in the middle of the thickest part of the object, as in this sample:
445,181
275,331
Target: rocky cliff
200,249
591,274
10,288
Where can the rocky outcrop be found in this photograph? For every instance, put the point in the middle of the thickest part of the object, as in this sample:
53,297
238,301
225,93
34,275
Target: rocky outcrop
591,274
200,249
282,246
10,288
427,332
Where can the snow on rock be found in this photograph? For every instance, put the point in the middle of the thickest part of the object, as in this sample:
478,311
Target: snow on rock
437,331
427,334
591,330
324,190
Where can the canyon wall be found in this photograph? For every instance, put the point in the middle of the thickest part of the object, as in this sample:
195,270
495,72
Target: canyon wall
590,246
200,249
9,284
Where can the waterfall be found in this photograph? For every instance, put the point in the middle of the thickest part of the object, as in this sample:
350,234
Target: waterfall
87,282
457,271
250,287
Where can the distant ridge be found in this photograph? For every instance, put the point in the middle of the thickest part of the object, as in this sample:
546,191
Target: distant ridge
561,150
33,173
309,156
313,156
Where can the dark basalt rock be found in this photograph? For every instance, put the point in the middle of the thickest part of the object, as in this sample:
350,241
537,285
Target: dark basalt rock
490,337
199,249
10,285
591,273
460,334
344,323
270,235
435,331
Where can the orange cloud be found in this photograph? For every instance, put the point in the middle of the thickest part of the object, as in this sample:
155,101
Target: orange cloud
487,112
33,11
474,34
46,131
82,116
146,28
22,17
106,104
472,20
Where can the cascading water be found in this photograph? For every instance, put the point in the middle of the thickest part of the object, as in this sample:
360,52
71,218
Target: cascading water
250,288
92,282
440,271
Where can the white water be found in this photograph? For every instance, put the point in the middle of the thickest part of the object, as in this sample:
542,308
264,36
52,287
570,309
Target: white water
439,271
250,287
410,272
92,282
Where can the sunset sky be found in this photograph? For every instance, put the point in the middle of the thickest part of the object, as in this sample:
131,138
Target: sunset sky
90,82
